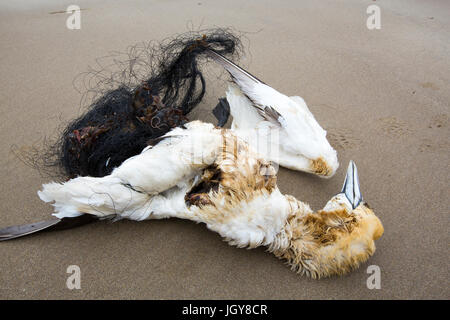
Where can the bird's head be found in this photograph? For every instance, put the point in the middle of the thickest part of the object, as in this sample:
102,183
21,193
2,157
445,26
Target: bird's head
336,239
303,144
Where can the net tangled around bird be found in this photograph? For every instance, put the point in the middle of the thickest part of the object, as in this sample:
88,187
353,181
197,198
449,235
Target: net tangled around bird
125,119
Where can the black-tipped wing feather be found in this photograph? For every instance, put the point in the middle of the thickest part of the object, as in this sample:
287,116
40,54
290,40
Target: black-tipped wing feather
246,80
48,225
270,114
235,71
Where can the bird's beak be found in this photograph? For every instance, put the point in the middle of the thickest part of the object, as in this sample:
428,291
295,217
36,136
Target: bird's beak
351,185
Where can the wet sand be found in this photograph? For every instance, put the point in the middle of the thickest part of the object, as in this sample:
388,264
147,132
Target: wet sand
382,95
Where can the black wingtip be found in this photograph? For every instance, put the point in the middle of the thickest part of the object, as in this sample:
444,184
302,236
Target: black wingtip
26,229
231,67
14,232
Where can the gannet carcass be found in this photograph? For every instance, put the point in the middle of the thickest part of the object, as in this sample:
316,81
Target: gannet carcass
206,174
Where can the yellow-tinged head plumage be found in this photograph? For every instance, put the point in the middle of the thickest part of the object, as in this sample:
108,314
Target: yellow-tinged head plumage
334,240
327,243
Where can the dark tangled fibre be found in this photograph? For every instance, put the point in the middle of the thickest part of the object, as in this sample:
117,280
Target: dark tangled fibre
123,121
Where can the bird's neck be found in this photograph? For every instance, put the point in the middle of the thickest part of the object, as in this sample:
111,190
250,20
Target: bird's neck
297,210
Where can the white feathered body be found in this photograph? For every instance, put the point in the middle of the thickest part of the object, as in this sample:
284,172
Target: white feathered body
209,175
246,206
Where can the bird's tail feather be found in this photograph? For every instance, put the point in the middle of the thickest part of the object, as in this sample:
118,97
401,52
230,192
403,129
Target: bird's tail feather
47,225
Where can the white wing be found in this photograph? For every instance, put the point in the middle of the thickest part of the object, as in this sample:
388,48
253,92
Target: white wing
130,189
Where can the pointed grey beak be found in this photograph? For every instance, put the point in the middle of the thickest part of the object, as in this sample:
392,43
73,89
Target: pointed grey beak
351,185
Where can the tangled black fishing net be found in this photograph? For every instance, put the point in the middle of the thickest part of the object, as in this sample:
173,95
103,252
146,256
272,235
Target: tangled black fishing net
154,90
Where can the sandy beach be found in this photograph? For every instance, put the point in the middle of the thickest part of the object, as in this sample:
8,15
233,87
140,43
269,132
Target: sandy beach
382,95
